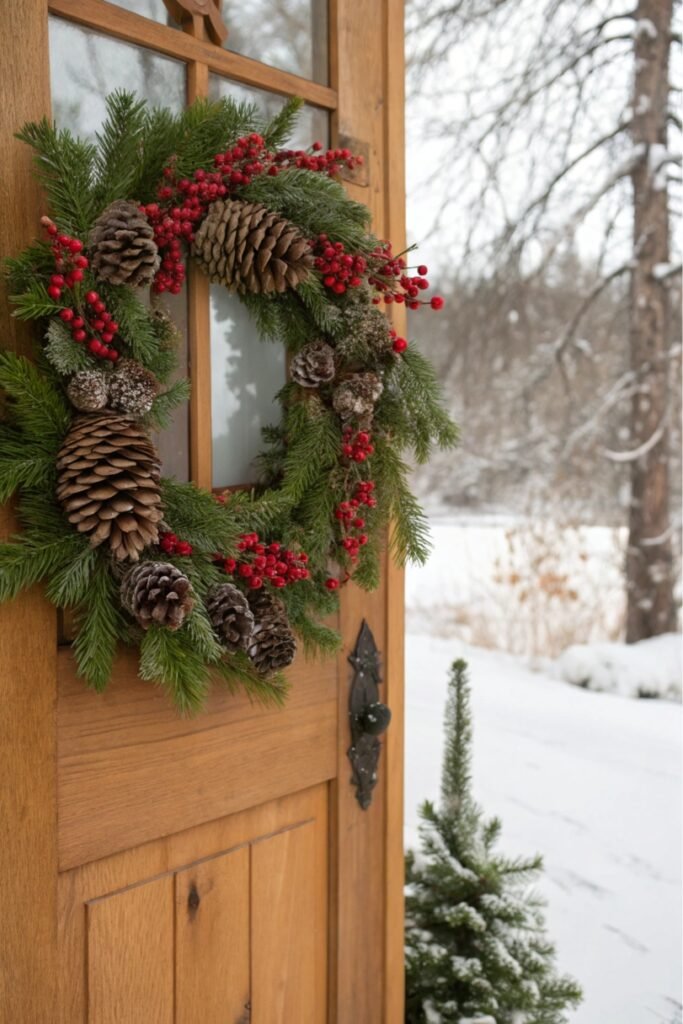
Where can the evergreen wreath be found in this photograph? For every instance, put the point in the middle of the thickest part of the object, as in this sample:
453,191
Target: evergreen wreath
206,583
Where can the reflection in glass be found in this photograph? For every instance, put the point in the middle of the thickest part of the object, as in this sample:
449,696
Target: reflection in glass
288,34
85,67
245,371
155,10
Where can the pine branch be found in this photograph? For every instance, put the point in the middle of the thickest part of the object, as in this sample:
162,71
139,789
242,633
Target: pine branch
30,559
23,464
315,636
197,517
279,130
35,406
69,586
237,672
410,535
65,168
169,659
100,624
159,416
120,142
62,352
34,303
36,260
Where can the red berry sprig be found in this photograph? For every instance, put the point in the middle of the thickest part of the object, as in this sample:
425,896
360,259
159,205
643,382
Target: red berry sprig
92,325
339,269
388,276
357,446
183,202
352,527
261,564
172,545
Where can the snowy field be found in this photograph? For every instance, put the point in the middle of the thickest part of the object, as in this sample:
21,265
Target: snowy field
593,782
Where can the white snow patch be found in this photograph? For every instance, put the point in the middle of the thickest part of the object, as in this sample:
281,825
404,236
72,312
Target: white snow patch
660,271
650,668
592,783
645,27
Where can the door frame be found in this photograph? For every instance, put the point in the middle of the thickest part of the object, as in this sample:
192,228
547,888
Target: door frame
29,954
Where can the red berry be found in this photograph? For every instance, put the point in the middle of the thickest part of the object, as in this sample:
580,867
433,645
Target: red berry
54,292
437,302
91,298
66,315
184,548
278,581
77,275
331,583
400,345
255,582
245,570
80,335
422,270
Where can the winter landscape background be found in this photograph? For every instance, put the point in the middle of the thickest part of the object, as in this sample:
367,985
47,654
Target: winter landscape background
544,191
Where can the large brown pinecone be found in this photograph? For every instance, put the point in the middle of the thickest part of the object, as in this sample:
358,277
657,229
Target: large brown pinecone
272,645
313,365
231,616
357,396
108,475
249,248
157,593
122,246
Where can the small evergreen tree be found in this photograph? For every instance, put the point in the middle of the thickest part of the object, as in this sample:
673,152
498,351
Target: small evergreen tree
476,950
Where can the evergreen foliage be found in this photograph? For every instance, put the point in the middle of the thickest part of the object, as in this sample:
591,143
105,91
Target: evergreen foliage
475,938
304,476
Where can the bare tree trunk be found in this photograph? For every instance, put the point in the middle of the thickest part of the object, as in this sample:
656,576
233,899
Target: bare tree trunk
649,564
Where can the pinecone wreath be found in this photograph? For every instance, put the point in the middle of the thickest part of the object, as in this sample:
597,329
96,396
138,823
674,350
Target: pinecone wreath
272,645
108,475
132,388
313,365
231,616
88,390
357,396
156,593
122,246
249,248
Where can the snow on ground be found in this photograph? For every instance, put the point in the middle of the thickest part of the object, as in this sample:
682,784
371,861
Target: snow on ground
650,668
591,781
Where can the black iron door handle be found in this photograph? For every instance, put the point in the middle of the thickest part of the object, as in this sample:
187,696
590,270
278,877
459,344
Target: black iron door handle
368,717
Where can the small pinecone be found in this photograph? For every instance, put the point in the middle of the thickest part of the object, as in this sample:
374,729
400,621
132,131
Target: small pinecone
231,616
357,396
108,475
157,593
313,365
249,248
88,390
133,388
367,326
272,645
122,246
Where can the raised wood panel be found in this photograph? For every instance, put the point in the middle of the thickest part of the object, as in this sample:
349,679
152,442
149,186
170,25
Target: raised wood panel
212,940
213,857
131,770
130,956
289,926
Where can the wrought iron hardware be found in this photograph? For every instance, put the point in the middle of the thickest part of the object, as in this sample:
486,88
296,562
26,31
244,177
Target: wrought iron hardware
368,717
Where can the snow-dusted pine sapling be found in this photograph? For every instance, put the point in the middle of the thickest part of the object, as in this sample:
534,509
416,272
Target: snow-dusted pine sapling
476,948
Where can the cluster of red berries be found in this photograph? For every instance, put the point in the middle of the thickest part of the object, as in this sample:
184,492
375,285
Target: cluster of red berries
357,446
340,270
264,563
352,524
330,162
183,202
172,545
94,325
388,276
398,344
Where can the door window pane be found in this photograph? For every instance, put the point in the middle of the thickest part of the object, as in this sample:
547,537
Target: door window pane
288,34
155,10
84,68
246,372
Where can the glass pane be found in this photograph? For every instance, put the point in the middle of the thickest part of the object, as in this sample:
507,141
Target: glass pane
288,34
155,10
313,123
245,371
84,68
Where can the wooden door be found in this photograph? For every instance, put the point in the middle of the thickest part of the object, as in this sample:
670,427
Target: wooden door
158,869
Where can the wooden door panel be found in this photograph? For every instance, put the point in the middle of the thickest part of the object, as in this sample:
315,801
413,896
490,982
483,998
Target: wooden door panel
205,915
212,940
130,770
289,926
130,955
